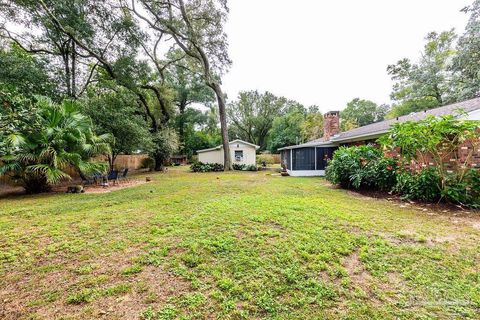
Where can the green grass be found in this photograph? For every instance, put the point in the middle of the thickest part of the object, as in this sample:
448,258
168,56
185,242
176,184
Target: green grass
234,246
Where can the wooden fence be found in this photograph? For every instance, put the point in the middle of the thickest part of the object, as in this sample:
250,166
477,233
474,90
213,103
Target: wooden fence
132,162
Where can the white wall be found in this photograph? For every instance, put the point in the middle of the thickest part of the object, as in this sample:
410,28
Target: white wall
306,173
216,156
249,153
475,115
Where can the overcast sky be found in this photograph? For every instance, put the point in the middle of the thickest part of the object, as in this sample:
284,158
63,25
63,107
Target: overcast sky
328,52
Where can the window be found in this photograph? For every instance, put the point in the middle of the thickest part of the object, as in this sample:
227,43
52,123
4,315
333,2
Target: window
238,155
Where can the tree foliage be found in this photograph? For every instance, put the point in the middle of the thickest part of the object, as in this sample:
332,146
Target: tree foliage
466,63
360,112
251,116
426,84
115,113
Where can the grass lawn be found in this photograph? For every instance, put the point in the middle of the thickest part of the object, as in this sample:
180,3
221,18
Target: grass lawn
234,246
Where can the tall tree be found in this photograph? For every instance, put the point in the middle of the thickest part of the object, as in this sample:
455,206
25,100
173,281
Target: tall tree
426,84
360,112
466,63
287,129
251,116
197,27
24,73
312,126
114,113
190,88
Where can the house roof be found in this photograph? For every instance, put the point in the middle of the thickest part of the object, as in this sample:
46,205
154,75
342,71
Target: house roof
313,143
231,142
382,127
375,130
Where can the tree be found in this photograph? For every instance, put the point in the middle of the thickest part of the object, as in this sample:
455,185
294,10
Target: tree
114,113
312,126
200,131
360,112
63,139
427,84
24,74
197,29
466,64
287,129
251,116
189,89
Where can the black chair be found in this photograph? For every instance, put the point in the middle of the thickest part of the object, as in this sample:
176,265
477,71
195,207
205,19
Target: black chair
124,175
113,176
98,178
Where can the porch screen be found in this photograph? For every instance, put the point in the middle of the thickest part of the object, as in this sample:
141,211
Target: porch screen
303,159
286,159
323,155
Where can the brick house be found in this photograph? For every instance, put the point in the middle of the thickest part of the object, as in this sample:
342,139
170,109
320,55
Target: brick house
310,159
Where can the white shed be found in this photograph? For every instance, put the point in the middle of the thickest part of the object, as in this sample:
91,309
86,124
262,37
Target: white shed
241,152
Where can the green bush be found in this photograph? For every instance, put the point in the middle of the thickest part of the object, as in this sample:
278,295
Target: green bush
362,167
250,167
239,167
267,158
426,186
244,167
423,186
148,163
206,167
465,192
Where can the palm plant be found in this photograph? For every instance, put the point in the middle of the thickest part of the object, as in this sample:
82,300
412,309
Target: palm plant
65,141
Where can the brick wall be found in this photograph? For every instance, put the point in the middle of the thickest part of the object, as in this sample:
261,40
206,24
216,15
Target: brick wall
468,154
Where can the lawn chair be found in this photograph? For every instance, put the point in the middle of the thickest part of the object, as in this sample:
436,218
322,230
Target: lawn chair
97,178
113,176
124,176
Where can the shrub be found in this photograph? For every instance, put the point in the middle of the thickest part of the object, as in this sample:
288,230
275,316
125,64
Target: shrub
206,167
362,167
60,139
464,191
250,167
423,186
238,166
148,163
267,158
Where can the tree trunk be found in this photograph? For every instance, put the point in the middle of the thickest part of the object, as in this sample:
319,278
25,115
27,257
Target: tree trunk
182,105
223,125
111,161
74,72
66,63
158,162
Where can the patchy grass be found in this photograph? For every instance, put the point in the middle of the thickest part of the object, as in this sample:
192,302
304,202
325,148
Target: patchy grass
234,246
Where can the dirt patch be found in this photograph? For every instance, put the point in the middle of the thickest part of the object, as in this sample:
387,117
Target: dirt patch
357,273
114,187
27,292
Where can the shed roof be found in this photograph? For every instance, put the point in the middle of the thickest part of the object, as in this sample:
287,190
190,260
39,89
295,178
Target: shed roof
231,142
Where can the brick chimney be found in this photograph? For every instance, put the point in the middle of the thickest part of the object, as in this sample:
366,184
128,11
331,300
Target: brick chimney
331,124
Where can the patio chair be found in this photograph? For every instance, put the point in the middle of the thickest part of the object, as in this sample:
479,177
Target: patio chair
113,176
97,178
124,176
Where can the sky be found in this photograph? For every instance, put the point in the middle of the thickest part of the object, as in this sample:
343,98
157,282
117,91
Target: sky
326,53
